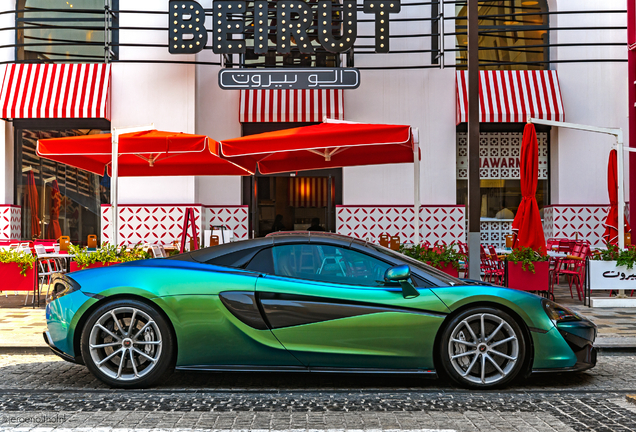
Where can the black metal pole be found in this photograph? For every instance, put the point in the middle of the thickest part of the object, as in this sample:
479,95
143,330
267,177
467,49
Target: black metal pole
474,195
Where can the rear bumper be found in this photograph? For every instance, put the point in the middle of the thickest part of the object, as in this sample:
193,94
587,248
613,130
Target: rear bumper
57,351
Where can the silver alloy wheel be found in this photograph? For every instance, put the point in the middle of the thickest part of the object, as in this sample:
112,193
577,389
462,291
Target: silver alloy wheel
483,348
125,343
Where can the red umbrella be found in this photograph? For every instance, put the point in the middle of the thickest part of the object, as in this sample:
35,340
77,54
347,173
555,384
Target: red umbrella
53,230
611,222
527,223
141,154
31,196
327,145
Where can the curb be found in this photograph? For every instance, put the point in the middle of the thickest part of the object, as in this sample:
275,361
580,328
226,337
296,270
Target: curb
21,350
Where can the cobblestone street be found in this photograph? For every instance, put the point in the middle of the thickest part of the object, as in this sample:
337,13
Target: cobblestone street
41,392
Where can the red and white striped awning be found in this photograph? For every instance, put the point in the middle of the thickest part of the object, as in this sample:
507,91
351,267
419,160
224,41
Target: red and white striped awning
31,91
291,105
512,96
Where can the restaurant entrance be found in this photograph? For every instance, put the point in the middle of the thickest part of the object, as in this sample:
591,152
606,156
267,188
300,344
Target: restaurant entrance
293,201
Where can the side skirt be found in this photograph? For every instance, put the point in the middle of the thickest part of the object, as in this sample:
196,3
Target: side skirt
247,368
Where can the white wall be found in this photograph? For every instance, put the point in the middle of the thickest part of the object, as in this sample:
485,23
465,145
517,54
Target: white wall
143,93
217,114
420,98
7,37
593,94
6,162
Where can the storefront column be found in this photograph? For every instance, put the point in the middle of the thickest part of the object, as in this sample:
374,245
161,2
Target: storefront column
6,163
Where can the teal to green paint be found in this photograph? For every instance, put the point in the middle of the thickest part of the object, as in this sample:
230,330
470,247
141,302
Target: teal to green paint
208,334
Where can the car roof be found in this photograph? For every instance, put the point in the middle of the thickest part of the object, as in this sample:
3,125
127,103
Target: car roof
277,238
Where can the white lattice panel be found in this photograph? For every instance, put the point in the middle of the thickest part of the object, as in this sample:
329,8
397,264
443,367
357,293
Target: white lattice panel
586,222
494,232
437,223
149,224
10,222
499,154
548,222
233,217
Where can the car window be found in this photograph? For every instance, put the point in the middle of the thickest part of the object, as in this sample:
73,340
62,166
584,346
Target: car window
326,263
262,262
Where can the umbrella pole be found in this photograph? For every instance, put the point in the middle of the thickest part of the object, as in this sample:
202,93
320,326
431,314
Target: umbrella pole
416,186
113,184
114,178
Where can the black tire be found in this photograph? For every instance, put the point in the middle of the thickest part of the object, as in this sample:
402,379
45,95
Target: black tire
502,351
119,356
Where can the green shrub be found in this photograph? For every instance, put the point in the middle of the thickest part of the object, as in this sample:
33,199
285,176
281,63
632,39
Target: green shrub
25,260
527,257
436,256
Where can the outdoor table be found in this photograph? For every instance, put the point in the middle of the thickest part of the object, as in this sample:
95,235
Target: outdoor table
555,254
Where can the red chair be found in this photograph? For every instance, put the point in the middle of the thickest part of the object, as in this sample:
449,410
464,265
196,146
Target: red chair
573,268
492,267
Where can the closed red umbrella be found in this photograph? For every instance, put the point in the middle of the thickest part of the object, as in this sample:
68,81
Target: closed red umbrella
53,229
31,196
527,223
611,222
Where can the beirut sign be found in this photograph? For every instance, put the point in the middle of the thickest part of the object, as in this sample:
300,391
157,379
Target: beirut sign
292,23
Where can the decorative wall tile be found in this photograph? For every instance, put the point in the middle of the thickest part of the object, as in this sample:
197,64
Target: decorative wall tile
499,154
149,224
586,222
235,218
437,223
10,222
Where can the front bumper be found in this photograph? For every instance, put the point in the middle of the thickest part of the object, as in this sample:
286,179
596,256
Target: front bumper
580,336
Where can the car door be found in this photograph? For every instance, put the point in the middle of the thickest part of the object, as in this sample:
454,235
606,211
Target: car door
329,307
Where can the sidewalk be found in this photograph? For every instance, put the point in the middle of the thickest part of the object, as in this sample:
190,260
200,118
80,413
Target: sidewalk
21,327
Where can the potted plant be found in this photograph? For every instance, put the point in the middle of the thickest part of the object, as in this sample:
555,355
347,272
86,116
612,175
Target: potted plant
441,256
527,270
17,270
612,268
105,256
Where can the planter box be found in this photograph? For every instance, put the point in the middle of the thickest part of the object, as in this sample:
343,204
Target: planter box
448,269
12,280
76,267
525,280
606,275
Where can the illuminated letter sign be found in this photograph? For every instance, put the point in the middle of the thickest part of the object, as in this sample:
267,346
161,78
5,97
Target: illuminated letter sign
294,19
187,27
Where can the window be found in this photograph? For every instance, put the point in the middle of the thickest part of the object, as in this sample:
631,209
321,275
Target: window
513,34
330,264
61,30
56,199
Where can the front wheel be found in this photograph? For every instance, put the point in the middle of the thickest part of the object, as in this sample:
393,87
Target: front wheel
482,348
127,344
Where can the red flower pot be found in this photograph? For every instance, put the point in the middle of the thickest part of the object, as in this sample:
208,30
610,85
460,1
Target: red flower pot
76,267
12,280
447,268
525,280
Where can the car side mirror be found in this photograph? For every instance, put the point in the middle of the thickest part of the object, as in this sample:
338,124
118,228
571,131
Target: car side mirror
402,274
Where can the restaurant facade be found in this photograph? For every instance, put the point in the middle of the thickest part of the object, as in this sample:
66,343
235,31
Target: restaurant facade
63,76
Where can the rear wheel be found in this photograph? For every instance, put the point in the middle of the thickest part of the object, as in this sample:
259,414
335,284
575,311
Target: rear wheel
127,344
483,348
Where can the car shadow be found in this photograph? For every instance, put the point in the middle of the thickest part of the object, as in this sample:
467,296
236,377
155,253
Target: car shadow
56,374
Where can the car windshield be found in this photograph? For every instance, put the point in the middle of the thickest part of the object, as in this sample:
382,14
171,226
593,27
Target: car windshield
437,274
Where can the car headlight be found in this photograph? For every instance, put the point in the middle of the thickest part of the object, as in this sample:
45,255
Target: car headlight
558,313
60,286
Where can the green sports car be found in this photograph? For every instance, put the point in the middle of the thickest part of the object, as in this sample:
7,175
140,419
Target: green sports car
306,302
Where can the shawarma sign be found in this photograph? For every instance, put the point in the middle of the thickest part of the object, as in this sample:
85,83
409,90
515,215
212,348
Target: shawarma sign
286,22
